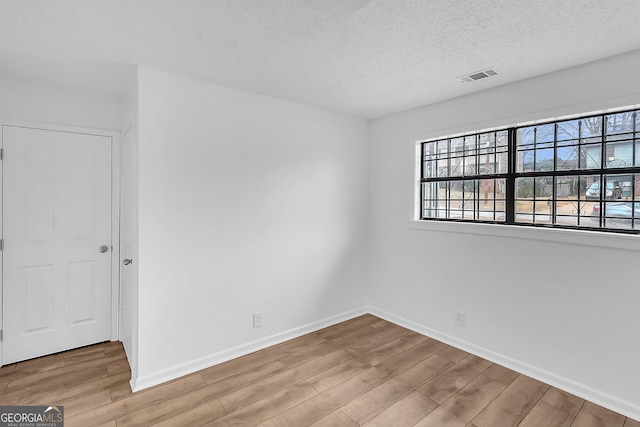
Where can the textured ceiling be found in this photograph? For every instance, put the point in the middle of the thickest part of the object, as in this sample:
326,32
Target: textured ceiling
390,56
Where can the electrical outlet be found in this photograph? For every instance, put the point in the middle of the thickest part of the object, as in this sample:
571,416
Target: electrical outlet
460,318
257,320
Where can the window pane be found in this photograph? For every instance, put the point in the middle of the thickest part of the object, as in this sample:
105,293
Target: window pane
618,186
429,170
524,188
456,153
434,199
470,157
619,154
590,156
525,161
524,204
526,136
502,162
618,215
538,135
569,131
567,158
502,138
568,207
585,182
620,126
544,159
534,200
591,129
524,207
545,133
443,158
543,188
479,199
487,164
487,140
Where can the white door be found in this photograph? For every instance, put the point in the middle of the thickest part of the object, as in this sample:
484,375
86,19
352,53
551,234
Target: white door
57,241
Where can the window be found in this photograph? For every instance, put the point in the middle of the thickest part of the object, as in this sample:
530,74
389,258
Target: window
581,173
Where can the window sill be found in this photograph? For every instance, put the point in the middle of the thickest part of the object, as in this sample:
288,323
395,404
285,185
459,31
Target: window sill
557,235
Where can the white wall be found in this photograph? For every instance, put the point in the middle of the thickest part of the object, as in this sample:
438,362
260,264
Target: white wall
129,227
24,101
246,204
565,311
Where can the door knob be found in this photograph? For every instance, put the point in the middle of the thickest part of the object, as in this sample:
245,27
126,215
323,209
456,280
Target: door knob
127,261
104,249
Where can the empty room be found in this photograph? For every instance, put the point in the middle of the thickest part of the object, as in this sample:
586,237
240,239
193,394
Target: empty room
320,212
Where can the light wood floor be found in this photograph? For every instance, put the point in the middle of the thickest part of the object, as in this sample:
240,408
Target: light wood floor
365,371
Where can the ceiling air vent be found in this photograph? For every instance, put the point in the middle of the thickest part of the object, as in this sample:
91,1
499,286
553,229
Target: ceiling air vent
477,76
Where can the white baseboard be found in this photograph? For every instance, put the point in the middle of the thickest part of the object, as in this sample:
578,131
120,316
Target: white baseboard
195,365
626,408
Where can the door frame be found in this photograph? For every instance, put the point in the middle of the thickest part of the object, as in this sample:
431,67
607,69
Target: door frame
115,137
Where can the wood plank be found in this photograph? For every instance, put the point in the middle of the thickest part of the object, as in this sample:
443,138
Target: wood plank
393,348
120,391
408,358
287,347
8,371
303,355
453,354
545,415
380,323
326,402
513,404
405,412
336,419
80,403
592,415
55,361
240,364
36,380
563,400
3,386
57,379
269,407
445,385
501,374
375,401
176,405
261,389
26,397
342,372
204,413
631,423
83,355
365,332
136,401
463,406
113,347
246,378
235,366
349,326
384,336
336,375
118,367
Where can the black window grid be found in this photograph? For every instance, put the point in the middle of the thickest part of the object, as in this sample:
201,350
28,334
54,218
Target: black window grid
558,197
